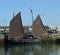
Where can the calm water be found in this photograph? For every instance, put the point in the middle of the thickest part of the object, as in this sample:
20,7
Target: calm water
36,49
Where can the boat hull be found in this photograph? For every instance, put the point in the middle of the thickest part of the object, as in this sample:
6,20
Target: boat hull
24,41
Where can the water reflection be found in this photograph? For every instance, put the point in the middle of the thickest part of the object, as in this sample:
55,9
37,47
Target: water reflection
36,49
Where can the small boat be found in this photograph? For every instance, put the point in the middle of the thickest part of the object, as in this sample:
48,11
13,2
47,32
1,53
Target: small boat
21,41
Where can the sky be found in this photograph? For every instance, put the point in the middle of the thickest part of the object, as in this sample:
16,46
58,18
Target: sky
49,11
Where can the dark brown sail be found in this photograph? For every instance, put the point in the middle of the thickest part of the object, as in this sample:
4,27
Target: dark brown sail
16,29
38,27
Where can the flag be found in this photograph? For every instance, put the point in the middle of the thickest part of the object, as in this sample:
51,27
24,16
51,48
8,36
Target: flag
30,10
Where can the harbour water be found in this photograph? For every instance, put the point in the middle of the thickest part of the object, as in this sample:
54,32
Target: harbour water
31,49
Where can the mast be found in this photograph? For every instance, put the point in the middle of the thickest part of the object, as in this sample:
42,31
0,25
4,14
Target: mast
13,14
31,14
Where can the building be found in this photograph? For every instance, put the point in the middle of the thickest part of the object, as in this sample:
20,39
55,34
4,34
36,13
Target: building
4,29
